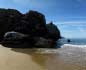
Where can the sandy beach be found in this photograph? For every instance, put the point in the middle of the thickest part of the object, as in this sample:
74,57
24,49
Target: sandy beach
66,58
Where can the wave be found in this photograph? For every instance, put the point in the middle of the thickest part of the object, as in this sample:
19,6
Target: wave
71,45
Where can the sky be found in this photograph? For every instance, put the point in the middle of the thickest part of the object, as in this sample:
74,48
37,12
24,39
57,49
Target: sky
68,15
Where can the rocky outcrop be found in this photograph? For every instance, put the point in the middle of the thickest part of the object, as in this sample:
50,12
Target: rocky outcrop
32,23
30,27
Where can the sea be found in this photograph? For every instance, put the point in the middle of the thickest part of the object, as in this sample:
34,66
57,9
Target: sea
74,42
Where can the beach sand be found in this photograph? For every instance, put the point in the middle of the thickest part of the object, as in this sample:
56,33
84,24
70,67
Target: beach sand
66,58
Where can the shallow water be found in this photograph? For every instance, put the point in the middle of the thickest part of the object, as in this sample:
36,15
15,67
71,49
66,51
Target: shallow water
73,41
65,58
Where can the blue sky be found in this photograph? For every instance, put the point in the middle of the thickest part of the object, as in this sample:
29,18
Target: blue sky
68,15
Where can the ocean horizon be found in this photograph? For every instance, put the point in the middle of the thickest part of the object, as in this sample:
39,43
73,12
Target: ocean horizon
74,42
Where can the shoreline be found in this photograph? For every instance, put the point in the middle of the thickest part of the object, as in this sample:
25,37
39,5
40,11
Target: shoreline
66,58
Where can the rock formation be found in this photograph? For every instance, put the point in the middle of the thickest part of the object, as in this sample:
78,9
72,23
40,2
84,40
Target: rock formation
30,27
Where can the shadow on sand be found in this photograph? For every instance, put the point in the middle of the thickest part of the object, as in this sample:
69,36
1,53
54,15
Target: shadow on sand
38,58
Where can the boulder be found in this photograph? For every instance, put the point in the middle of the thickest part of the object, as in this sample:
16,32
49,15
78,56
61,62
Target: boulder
68,40
14,35
17,40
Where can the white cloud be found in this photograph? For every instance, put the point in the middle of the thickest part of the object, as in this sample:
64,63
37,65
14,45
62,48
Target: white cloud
72,29
79,26
72,23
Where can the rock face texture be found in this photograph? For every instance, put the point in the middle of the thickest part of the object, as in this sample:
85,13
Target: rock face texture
8,20
33,24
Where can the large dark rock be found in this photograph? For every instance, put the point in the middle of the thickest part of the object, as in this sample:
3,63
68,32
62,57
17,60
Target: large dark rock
33,24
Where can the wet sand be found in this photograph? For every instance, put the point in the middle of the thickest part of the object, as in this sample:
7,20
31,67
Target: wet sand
66,58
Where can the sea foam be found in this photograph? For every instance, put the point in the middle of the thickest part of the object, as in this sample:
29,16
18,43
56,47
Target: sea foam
71,45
